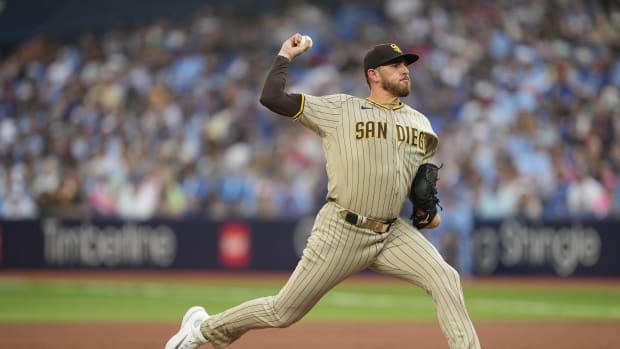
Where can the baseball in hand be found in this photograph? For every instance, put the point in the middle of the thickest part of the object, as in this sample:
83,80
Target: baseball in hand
303,40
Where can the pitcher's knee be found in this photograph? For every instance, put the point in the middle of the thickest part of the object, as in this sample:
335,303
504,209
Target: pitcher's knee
449,277
285,319
284,315
452,274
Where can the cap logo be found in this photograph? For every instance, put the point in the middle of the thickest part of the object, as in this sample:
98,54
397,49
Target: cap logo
396,49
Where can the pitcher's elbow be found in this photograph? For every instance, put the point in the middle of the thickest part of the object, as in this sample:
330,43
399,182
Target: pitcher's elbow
266,100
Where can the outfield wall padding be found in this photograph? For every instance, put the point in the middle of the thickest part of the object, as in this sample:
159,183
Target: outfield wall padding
498,247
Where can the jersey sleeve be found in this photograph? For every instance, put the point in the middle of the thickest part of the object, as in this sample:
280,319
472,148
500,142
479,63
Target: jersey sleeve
431,141
321,114
273,95
431,146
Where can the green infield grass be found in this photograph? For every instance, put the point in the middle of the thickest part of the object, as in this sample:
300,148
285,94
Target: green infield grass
71,300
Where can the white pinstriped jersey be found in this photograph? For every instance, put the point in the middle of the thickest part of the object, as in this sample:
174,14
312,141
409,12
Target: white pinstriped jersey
372,151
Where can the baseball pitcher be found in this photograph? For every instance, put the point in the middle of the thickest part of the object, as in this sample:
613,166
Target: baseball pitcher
377,151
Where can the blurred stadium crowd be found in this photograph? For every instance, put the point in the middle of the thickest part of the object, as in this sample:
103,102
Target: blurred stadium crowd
161,119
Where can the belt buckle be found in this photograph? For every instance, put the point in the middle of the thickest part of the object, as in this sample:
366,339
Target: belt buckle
364,222
376,226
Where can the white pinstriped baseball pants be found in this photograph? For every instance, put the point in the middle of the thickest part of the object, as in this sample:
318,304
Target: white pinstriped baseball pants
336,250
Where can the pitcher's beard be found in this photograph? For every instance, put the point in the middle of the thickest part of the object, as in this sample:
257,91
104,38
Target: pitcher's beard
397,89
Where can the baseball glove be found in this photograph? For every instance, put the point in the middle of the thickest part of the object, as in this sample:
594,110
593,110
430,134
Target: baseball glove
423,195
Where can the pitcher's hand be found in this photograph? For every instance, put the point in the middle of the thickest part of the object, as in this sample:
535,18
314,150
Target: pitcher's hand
291,47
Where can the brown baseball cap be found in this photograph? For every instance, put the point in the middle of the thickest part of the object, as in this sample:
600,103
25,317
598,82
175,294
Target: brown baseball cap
386,53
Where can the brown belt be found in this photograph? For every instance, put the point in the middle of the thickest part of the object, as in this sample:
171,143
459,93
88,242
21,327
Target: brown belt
364,222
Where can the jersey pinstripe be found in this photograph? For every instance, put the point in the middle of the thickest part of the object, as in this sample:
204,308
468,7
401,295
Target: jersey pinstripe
337,250
372,151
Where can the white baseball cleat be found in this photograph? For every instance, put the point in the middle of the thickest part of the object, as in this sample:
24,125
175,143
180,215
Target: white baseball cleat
189,335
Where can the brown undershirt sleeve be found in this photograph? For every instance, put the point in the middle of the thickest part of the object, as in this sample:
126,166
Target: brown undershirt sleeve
273,95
